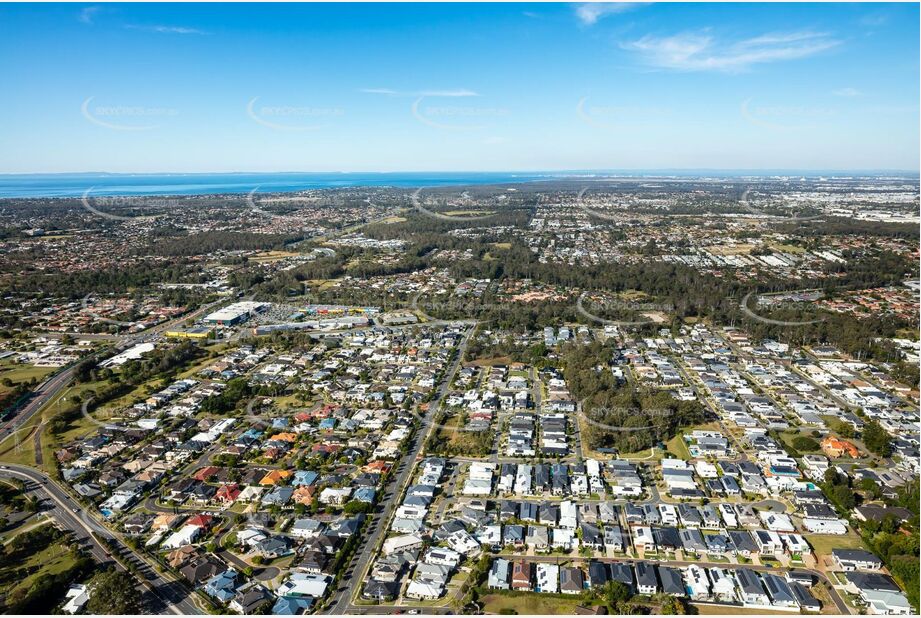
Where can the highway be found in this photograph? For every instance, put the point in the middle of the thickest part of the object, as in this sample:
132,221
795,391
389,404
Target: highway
48,390
45,392
162,595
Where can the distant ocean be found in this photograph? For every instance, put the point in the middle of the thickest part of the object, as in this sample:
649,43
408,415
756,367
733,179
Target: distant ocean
76,185
98,184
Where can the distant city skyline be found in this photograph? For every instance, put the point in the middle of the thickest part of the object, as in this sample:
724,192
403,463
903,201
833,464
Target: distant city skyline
458,88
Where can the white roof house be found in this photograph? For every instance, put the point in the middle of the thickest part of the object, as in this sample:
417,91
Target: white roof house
443,556
490,535
182,537
548,578
569,515
564,538
723,584
402,542
778,522
461,542
643,539
477,487
304,584
884,602
76,597
335,495
705,470
825,526
698,585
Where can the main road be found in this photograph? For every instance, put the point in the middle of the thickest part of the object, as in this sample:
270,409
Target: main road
45,392
168,594
48,390
341,601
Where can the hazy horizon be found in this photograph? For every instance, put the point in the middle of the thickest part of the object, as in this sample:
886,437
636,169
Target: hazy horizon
143,88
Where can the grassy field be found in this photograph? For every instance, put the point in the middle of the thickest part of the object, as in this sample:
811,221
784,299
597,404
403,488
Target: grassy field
272,256
24,452
535,603
649,454
52,560
468,213
291,401
836,425
633,295
678,447
465,443
489,362
739,249
788,248
822,544
18,372
790,435
730,610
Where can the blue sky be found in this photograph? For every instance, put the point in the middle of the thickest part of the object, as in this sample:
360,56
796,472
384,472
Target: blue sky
418,87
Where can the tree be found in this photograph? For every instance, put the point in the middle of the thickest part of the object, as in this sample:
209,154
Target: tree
877,439
616,593
114,592
356,506
804,443
673,606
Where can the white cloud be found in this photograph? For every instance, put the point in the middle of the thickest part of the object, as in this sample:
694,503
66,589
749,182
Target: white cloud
160,29
846,92
88,13
874,20
590,12
459,92
702,52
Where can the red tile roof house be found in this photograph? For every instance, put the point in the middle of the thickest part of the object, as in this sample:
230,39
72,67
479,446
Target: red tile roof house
326,448
227,494
205,473
378,465
521,575
202,521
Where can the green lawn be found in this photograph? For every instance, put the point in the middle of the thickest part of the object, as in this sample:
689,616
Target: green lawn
730,610
650,454
823,544
18,372
52,560
678,447
530,603
25,453
18,448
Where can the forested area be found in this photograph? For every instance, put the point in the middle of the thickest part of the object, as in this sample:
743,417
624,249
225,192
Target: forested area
849,227
106,280
206,243
689,292
622,415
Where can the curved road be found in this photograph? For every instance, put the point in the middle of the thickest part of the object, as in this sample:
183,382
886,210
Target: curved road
172,595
